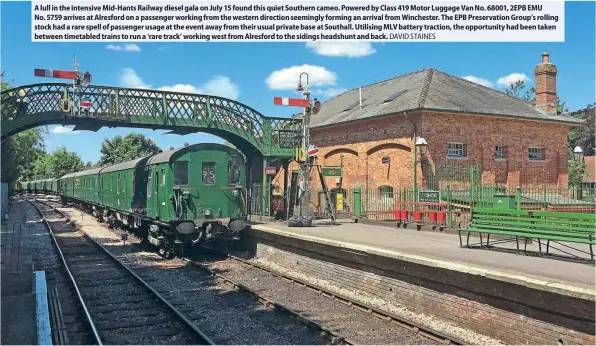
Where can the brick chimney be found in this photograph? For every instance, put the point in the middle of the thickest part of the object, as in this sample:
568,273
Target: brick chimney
546,84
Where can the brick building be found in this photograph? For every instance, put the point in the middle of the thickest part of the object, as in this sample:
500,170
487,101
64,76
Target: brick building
511,142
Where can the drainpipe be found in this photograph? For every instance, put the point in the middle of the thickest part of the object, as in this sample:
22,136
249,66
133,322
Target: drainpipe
415,130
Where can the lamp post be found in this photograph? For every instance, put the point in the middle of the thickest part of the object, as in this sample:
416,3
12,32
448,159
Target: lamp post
420,143
578,153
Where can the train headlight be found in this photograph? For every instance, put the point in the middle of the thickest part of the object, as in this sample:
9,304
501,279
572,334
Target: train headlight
207,212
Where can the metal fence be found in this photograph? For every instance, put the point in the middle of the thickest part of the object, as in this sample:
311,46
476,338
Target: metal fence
453,205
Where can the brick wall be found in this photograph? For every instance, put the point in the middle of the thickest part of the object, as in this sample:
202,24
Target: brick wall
364,144
508,312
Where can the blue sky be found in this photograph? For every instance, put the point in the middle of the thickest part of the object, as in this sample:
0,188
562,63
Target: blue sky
253,73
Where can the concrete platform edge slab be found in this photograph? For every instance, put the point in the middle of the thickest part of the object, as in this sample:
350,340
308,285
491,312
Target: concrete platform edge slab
44,330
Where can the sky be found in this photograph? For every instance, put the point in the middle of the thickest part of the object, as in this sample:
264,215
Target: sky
253,73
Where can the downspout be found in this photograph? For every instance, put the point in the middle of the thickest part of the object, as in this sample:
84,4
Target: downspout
415,129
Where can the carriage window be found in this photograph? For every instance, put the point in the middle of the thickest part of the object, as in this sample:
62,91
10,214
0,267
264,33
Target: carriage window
181,173
233,173
149,179
208,173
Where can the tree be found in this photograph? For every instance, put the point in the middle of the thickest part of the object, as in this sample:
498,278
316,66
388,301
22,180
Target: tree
57,164
576,170
21,150
519,90
129,147
583,135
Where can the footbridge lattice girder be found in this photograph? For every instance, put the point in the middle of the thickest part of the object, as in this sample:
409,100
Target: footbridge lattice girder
40,104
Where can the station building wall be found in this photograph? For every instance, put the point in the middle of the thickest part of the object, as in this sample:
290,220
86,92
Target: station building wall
363,145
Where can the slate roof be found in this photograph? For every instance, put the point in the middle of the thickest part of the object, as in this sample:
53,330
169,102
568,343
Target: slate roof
428,89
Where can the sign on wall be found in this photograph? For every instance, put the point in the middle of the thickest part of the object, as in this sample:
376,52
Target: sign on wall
270,170
429,196
332,171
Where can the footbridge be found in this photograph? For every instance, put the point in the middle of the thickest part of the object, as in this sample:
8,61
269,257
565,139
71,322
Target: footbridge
93,107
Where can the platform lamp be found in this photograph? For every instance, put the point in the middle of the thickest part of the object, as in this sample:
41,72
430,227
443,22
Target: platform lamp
578,153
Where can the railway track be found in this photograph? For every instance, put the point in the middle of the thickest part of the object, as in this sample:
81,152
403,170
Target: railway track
411,328
353,322
119,306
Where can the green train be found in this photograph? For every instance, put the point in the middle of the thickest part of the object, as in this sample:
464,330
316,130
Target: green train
174,199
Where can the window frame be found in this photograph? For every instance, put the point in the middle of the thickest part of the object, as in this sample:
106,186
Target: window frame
540,150
214,173
149,185
174,170
464,152
230,162
503,151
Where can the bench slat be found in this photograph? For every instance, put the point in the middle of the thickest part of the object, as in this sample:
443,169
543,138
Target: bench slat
535,233
580,216
589,225
535,223
549,237
494,211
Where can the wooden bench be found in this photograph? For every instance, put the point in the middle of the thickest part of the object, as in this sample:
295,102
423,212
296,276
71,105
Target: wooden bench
541,225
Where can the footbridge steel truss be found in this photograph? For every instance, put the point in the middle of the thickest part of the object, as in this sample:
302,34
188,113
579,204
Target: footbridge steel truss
34,105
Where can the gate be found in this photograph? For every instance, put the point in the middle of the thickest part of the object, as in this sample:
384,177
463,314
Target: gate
259,203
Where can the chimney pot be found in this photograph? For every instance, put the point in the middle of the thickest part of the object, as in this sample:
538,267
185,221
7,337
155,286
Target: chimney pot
545,58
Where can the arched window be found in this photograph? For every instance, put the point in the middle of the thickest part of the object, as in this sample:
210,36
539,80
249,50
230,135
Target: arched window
386,193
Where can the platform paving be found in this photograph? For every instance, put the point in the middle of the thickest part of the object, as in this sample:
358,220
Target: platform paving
442,249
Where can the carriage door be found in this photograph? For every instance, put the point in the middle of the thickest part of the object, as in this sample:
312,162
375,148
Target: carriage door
156,204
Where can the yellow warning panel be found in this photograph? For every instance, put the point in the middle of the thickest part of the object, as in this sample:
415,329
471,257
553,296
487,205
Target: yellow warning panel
340,201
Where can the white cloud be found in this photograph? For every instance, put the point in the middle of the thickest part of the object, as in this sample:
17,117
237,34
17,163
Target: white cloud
287,78
217,86
512,78
63,130
479,80
127,47
130,79
349,49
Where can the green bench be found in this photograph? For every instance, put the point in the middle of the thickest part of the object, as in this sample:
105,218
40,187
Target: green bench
554,227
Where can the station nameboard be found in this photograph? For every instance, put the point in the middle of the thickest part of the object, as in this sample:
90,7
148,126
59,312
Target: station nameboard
429,196
332,171
288,139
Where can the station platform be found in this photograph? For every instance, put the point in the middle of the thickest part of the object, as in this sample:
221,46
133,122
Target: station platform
511,297
443,250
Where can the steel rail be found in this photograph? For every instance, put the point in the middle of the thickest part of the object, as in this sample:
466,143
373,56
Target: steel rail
186,321
72,279
402,322
334,337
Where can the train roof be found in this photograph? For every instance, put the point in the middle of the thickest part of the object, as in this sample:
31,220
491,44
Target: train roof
78,174
167,155
124,165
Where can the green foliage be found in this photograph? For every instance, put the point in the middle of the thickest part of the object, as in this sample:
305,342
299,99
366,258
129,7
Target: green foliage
518,89
583,135
576,170
20,151
57,164
129,147
521,91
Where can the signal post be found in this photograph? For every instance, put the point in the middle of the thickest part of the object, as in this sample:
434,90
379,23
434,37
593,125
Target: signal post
306,152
